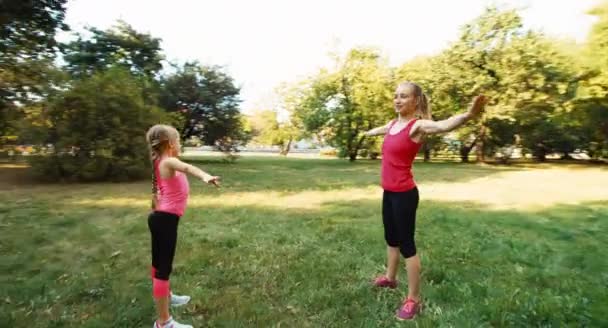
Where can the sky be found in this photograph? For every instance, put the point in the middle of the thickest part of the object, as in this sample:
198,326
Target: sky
262,43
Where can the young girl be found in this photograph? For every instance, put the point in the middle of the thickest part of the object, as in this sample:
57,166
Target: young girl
402,140
169,198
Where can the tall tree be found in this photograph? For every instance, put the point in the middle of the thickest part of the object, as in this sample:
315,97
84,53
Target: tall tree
535,89
471,69
121,45
349,100
494,56
267,129
591,104
27,49
208,100
28,27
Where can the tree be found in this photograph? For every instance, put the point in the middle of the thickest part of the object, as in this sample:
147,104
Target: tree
343,103
268,130
289,125
22,90
502,137
28,27
121,45
96,130
598,37
591,103
470,68
535,88
494,56
208,100
27,49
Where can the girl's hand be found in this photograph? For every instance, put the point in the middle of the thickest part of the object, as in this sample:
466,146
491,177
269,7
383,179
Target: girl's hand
479,103
212,180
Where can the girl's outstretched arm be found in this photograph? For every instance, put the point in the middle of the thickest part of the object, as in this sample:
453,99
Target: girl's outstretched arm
174,163
424,127
378,131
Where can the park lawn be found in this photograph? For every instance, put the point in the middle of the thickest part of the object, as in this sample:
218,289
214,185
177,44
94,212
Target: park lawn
296,242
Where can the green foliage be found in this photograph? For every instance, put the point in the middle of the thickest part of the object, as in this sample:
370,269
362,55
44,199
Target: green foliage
96,130
546,95
267,130
27,28
344,103
27,49
208,101
121,45
33,93
591,105
598,38
529,89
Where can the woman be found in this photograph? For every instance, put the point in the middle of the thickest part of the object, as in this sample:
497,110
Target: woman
402,140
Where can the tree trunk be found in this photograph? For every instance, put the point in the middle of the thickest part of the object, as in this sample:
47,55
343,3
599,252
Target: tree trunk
427,152
480,157
479,149
541,157
464,153
354,147
541,154
465,150
285,150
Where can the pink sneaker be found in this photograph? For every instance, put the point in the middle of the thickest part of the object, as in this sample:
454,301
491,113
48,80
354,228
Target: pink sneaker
384,282
409,310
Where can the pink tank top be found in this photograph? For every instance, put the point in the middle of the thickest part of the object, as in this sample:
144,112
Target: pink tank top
172,192
398,153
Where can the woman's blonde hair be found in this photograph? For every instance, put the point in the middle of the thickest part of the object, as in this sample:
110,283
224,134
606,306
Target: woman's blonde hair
423,103
159,138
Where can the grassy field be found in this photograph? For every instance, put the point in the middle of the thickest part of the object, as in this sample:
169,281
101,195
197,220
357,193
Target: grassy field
296,243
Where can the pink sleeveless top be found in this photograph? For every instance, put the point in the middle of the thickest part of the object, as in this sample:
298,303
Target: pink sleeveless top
172,192
398,153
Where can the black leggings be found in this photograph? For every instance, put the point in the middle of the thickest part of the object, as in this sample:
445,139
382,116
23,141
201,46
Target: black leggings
399,218
163,228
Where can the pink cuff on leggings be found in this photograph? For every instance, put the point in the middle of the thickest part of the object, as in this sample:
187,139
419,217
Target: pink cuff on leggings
160,288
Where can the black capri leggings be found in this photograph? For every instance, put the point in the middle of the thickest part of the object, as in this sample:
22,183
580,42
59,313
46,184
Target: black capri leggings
399,218
163,228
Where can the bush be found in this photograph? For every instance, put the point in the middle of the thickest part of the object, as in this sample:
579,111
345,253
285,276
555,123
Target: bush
97,131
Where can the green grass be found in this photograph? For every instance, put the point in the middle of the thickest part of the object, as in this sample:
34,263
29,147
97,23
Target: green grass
264,251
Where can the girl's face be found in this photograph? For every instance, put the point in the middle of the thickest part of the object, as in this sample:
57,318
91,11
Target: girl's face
405,100
175,147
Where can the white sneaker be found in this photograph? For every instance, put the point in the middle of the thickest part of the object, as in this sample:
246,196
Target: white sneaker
177,300
171,324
